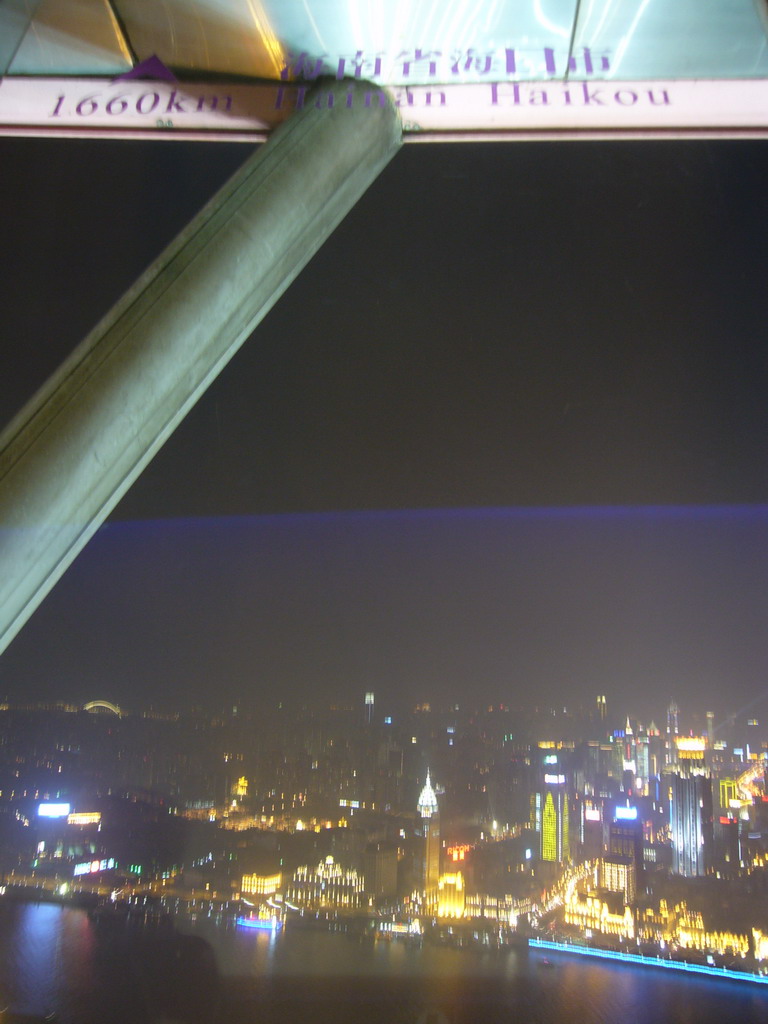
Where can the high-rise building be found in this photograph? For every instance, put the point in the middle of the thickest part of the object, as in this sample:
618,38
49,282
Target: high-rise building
555,839
629,761
602,709
590,829
451,895
673,731
727,846
618,874
550,810
753,745
690,820
690,810
381,870
430,819
623,838
369,705
642,762
728,790
711,730
690,754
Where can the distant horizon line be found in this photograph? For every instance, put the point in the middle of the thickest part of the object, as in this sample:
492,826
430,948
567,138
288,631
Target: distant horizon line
234,707
653,510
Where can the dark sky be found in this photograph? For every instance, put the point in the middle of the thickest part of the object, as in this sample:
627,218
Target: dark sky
508,332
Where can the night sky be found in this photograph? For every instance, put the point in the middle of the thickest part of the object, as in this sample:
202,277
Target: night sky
506,437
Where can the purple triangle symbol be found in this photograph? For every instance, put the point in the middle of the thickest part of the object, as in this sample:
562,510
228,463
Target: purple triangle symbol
152,68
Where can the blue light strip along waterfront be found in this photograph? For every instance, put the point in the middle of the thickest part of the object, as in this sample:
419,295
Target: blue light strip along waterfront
635,958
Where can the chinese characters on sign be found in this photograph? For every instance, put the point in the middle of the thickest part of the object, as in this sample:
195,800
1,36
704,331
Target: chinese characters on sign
420,66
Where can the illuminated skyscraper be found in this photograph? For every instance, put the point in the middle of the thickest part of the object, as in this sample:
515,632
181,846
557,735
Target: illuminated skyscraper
673,730
555,839
623,838
629,765
549,829
642,761
690,820
728,790
617,874
369,703
430,819
753,744
690,810
602,710
711,730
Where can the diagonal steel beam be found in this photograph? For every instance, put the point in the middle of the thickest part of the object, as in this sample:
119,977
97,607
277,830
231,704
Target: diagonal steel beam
76,448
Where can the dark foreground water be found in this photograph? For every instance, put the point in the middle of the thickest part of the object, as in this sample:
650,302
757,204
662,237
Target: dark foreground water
54,960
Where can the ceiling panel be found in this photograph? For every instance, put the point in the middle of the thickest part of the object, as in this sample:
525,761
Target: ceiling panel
72,37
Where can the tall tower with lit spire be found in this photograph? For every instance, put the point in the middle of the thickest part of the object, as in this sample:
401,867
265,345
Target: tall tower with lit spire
602,711
673,730
430,820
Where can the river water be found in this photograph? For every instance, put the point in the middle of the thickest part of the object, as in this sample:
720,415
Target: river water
54,960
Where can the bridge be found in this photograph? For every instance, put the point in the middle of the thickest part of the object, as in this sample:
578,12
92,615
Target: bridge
102,705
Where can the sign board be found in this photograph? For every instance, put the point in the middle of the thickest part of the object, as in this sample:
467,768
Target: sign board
108,108
49,810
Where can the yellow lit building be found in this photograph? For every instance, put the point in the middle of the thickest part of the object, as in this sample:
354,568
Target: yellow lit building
451,895
501,909
430,820
260,885
84,818
555,842
691,748
617,874
728,792
692,934
327,885
604,913
549,829
761,944
684,928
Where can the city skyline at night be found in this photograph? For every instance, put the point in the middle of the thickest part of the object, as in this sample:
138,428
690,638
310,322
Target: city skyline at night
384,524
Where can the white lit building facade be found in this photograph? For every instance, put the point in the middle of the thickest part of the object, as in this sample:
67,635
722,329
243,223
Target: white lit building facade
430,823
326,885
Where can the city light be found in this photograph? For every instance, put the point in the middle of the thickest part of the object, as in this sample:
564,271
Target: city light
267,924
635,958
84,818
458,852
92,867
691,744
573,854
48,810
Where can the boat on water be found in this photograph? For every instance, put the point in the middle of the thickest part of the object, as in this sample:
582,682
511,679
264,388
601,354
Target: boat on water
265,924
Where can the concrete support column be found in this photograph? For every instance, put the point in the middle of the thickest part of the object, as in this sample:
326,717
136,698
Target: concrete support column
76,448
